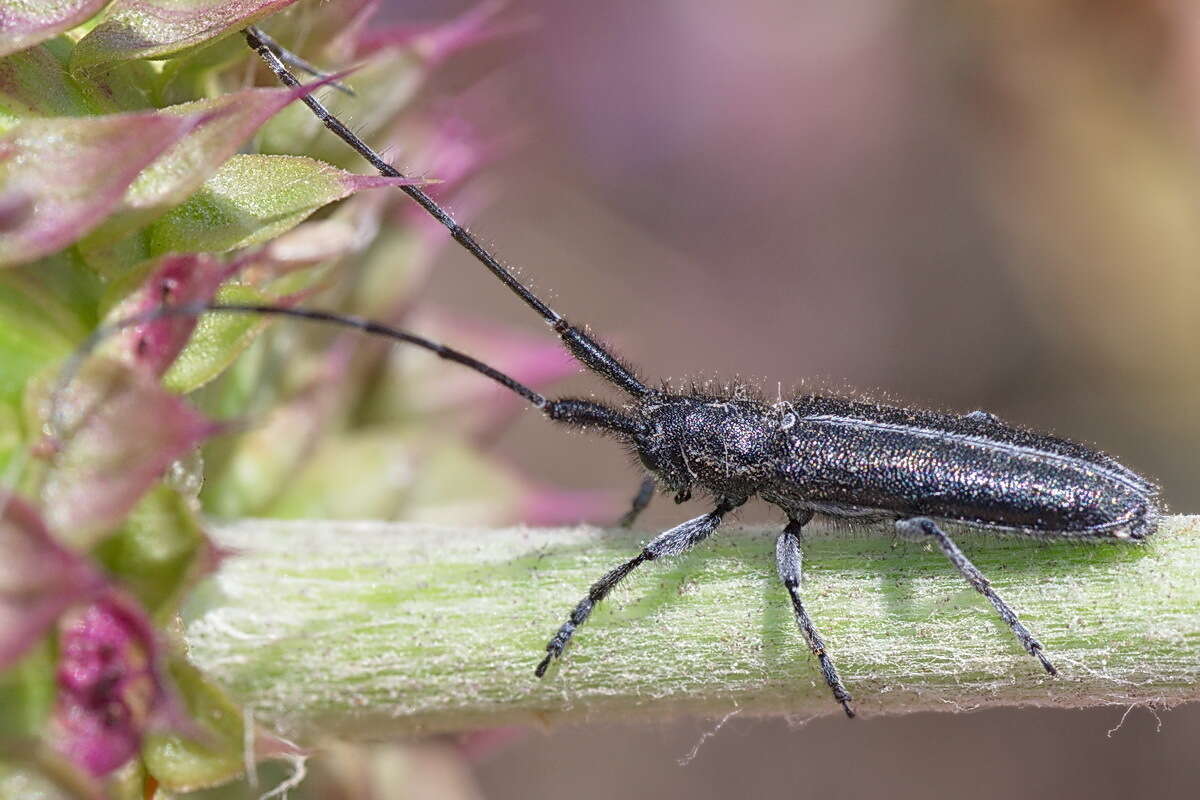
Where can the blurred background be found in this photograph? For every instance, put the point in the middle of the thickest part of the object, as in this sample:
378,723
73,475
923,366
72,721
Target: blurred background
989,205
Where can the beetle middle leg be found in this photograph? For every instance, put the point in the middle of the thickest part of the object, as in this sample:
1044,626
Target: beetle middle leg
677,540
922,527
640,500
788,559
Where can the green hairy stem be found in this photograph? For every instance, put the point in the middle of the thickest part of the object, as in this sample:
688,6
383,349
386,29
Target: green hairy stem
367,630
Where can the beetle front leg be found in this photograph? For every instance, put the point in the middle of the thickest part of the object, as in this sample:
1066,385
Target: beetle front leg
677,540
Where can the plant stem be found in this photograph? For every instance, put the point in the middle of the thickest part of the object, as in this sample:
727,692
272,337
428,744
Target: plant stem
368,630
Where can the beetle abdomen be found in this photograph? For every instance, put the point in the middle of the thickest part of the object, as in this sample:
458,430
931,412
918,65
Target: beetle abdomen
969,469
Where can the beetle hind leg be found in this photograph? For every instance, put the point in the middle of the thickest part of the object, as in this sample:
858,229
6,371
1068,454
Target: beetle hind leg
919,528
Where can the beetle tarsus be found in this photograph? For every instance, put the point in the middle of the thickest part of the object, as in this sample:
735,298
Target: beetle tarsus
1050,668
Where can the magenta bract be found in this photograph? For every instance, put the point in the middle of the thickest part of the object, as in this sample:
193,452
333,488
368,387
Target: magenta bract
108,683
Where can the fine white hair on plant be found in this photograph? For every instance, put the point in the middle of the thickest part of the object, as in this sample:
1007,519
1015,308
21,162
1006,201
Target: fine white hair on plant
706,735
299,772
394,629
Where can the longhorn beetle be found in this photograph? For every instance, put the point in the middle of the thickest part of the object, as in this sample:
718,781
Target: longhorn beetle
809,455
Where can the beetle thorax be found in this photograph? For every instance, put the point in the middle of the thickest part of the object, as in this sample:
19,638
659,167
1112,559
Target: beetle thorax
716,444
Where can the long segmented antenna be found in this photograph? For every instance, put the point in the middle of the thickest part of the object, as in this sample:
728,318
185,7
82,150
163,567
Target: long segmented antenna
583,347
296,62
578,413
104,332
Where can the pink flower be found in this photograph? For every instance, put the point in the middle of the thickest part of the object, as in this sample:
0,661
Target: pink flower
109,687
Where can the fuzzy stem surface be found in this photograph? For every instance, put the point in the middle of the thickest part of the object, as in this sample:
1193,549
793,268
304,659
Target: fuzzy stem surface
372,630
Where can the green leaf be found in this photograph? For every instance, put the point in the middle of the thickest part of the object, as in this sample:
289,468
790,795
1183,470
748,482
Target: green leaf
121,87
193,75
128,782
161,28
386,84
61,177
30,772
217,341
45,309
158,551
362,475
24,23
182,765
457,482
27,693
35,83
40,578
117,431
260,464
383,473
231,120
29,342
253,198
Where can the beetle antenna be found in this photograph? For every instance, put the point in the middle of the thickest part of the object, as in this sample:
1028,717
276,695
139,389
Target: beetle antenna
296,62
583,347
71,369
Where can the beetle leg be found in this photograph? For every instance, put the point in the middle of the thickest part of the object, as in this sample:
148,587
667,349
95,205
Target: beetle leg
640,500
923,526
788,558
677,540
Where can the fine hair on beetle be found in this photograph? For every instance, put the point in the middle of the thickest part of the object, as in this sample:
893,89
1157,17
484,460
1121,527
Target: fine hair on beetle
810,455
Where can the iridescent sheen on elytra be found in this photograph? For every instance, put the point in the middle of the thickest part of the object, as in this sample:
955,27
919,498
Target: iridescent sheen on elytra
846,458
